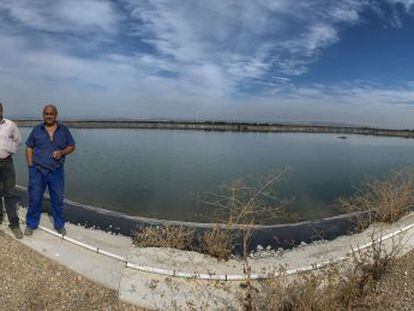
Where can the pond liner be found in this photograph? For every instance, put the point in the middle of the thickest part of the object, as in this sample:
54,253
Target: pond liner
284,236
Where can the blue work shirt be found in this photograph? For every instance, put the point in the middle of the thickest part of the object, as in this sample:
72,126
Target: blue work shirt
43,147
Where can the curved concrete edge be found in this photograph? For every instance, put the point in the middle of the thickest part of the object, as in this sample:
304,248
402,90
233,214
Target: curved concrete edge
99,248
274,236
223,277
160,291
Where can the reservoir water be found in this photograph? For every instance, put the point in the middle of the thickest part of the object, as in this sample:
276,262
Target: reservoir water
157,173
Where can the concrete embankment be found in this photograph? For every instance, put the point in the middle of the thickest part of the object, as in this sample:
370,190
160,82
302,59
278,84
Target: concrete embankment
229,126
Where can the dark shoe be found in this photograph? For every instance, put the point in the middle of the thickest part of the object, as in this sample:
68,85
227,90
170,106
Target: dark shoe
28,231
61,231
17,232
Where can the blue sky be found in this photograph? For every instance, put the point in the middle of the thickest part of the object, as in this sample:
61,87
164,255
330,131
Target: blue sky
260,60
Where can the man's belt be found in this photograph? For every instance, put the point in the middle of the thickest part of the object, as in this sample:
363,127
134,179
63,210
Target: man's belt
6,158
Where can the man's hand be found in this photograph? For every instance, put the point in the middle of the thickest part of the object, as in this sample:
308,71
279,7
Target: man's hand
29,156
57,155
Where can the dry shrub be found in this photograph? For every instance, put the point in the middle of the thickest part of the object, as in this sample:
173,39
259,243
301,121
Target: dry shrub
359,288
331,289
242,203
326,289
236,205
353,286
217,243
378,259
357,285
386,200
305,292
179,237
239,204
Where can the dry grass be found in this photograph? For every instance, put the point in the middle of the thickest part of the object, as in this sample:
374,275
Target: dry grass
385,200
356,286
179,237
30,281
217,243
353,287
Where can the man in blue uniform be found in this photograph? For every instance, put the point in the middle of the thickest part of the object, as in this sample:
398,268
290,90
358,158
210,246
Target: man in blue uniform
46,148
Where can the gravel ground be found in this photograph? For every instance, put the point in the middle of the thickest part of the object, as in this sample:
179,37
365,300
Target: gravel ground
396,289
30,281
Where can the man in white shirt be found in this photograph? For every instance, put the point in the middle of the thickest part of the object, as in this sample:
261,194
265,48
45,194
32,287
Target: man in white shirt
10,139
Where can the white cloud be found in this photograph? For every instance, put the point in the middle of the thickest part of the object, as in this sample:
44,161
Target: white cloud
242,39
406,3
217,45
63,16
353,102
207,54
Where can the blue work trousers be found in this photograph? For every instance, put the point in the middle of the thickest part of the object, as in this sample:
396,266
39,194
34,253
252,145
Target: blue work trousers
38,181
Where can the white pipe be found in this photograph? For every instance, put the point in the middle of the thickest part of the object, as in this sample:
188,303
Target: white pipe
221,277
79,243
343,258
114,256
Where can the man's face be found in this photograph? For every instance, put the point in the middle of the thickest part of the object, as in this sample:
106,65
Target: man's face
49,116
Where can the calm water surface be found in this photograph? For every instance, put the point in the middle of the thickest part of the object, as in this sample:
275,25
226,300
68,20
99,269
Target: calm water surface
155,173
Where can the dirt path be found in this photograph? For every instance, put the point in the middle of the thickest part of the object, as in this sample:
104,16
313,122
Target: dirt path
30,281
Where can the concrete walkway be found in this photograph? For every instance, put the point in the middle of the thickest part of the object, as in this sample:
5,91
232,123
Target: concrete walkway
167,293
94,266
